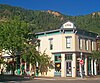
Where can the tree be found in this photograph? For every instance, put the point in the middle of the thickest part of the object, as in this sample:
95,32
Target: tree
1,61
13,35
32,56
96,56
16,38
44,63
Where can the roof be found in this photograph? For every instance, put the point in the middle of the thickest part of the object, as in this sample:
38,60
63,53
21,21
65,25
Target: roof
69,26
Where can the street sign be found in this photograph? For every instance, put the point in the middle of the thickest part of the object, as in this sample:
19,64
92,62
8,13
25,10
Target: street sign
81,62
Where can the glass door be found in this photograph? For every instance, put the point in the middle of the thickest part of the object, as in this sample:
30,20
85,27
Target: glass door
68,69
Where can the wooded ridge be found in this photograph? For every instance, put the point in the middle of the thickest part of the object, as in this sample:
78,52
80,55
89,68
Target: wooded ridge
41,20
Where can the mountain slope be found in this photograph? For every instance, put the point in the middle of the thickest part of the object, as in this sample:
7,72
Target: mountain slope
48,20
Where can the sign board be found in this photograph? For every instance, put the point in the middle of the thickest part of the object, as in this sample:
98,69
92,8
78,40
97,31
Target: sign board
81,62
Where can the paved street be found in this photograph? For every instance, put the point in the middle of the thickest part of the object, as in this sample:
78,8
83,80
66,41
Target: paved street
64,81
57,80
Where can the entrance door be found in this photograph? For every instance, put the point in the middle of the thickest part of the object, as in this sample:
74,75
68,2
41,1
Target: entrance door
68,69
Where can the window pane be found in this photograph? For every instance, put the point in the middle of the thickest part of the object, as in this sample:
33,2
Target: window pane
51,43
80,43
57,58
68,42
86,44
68,56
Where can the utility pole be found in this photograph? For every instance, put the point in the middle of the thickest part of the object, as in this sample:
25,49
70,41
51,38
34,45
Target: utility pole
81,73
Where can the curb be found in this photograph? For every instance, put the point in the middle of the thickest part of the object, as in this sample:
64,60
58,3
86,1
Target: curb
66,78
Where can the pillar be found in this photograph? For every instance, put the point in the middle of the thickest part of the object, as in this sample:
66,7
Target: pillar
92,66
86,66
63,66
30,67
74,65
25,66
95,67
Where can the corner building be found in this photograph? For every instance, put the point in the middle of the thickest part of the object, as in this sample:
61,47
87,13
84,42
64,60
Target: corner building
66,47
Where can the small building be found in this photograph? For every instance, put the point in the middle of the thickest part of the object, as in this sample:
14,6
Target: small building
7,58
70,50
98,49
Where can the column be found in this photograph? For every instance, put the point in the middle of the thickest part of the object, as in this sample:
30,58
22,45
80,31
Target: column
74,65
95,67
92,66
30,67
63,66
85,64
25,66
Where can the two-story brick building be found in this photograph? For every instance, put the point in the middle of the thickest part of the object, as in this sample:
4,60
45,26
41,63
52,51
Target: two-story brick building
66,47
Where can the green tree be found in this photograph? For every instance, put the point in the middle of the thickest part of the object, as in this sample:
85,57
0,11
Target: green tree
13,35
96,56
1,61
33,56
16,37
44,63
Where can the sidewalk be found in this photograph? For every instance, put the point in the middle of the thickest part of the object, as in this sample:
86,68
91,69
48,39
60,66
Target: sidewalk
68,78
4,78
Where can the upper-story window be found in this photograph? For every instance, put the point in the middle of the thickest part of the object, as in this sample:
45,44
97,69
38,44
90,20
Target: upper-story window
92,45
51,43
86,44
68,41
80,43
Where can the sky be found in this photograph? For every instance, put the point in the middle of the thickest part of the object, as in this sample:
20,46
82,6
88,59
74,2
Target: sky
67,7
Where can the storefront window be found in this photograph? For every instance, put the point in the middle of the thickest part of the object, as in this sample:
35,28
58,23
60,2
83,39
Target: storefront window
58,67
57,57
57,64
89,65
